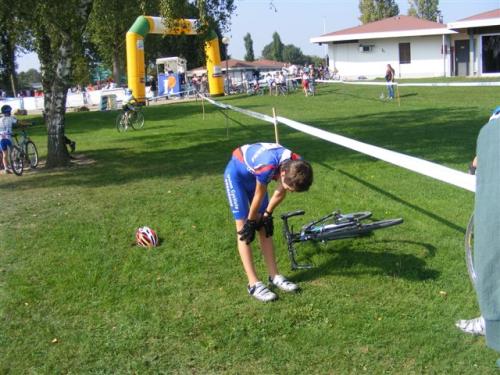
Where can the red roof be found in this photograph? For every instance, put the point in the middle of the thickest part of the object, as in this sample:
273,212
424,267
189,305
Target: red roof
396,23
495,13
261,63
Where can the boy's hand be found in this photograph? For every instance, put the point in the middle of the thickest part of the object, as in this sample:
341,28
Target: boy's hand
472,169
248,231
267,223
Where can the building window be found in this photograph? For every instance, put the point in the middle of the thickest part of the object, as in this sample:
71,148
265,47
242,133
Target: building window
366,48
404,53
491,54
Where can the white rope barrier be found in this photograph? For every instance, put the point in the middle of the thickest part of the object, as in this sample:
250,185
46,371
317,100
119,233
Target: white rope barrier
414,84
424,167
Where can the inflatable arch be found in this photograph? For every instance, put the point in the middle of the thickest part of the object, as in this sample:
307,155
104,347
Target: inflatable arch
155,25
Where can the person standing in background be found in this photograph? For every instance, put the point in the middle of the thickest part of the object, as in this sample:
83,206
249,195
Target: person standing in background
389,78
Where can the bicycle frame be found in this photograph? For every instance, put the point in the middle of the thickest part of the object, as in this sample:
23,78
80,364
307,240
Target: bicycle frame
333,226
24,138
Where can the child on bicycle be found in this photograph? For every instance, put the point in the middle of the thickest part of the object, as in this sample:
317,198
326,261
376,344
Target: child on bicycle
250,170
7,122
128,102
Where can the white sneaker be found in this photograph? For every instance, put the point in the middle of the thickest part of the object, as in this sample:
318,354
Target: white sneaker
282,283
260,292
472,326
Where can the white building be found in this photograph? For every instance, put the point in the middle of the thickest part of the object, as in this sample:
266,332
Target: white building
416,47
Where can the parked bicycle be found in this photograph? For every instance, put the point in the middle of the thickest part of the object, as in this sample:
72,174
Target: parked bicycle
334,226
16,157
130,117
24,142
22,152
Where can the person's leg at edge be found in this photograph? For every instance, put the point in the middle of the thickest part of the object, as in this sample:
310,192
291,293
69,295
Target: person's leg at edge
4,149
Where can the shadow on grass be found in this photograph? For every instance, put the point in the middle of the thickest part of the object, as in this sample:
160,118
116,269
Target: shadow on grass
199,151
395,198
408,95
345,261
441,135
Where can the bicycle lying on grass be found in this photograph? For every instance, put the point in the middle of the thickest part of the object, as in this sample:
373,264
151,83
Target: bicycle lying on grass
23,150
334,226
133,118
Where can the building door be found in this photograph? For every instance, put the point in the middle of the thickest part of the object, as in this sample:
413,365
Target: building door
461,57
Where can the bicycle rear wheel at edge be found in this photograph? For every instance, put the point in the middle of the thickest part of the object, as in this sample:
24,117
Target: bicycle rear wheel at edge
469,250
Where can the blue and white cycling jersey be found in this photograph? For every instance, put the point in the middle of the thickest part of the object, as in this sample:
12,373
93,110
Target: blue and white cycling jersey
249,164
262,160
6,124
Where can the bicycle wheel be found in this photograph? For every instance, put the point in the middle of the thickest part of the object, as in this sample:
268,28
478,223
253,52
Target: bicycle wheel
342,218
356,230
136,120
121,122
31,154
381,224
469,250
16,160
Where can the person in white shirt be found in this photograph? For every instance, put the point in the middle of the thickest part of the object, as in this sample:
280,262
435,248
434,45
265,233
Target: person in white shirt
7,122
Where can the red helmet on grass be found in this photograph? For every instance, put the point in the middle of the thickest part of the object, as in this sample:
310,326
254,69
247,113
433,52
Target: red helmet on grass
146,237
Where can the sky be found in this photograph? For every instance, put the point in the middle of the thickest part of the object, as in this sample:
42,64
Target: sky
296,21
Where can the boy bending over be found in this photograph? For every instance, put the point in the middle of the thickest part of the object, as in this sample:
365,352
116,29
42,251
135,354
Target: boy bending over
246,177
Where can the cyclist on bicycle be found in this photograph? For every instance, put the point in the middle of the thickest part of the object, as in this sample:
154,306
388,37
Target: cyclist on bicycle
7,122
246,177
129,102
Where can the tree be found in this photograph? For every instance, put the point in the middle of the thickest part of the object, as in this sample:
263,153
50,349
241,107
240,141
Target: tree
274,50
108,23
57,31
7,59
28,79
425,9
190,47
59,38
13,35
249,55
374,10
294,55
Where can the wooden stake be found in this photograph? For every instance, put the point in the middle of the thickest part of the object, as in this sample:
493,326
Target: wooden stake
275,126
203,106
227,123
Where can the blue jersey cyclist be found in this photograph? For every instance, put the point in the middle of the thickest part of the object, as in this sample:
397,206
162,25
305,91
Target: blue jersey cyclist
250,170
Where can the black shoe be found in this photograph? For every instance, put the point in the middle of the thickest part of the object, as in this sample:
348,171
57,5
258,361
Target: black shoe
72,146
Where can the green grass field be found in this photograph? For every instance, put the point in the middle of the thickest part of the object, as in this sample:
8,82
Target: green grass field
77,296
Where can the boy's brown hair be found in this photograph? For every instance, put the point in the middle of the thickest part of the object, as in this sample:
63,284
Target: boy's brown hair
298,174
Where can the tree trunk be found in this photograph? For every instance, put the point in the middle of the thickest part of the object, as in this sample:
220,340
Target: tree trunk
56,82
116,65
8,61
55,110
